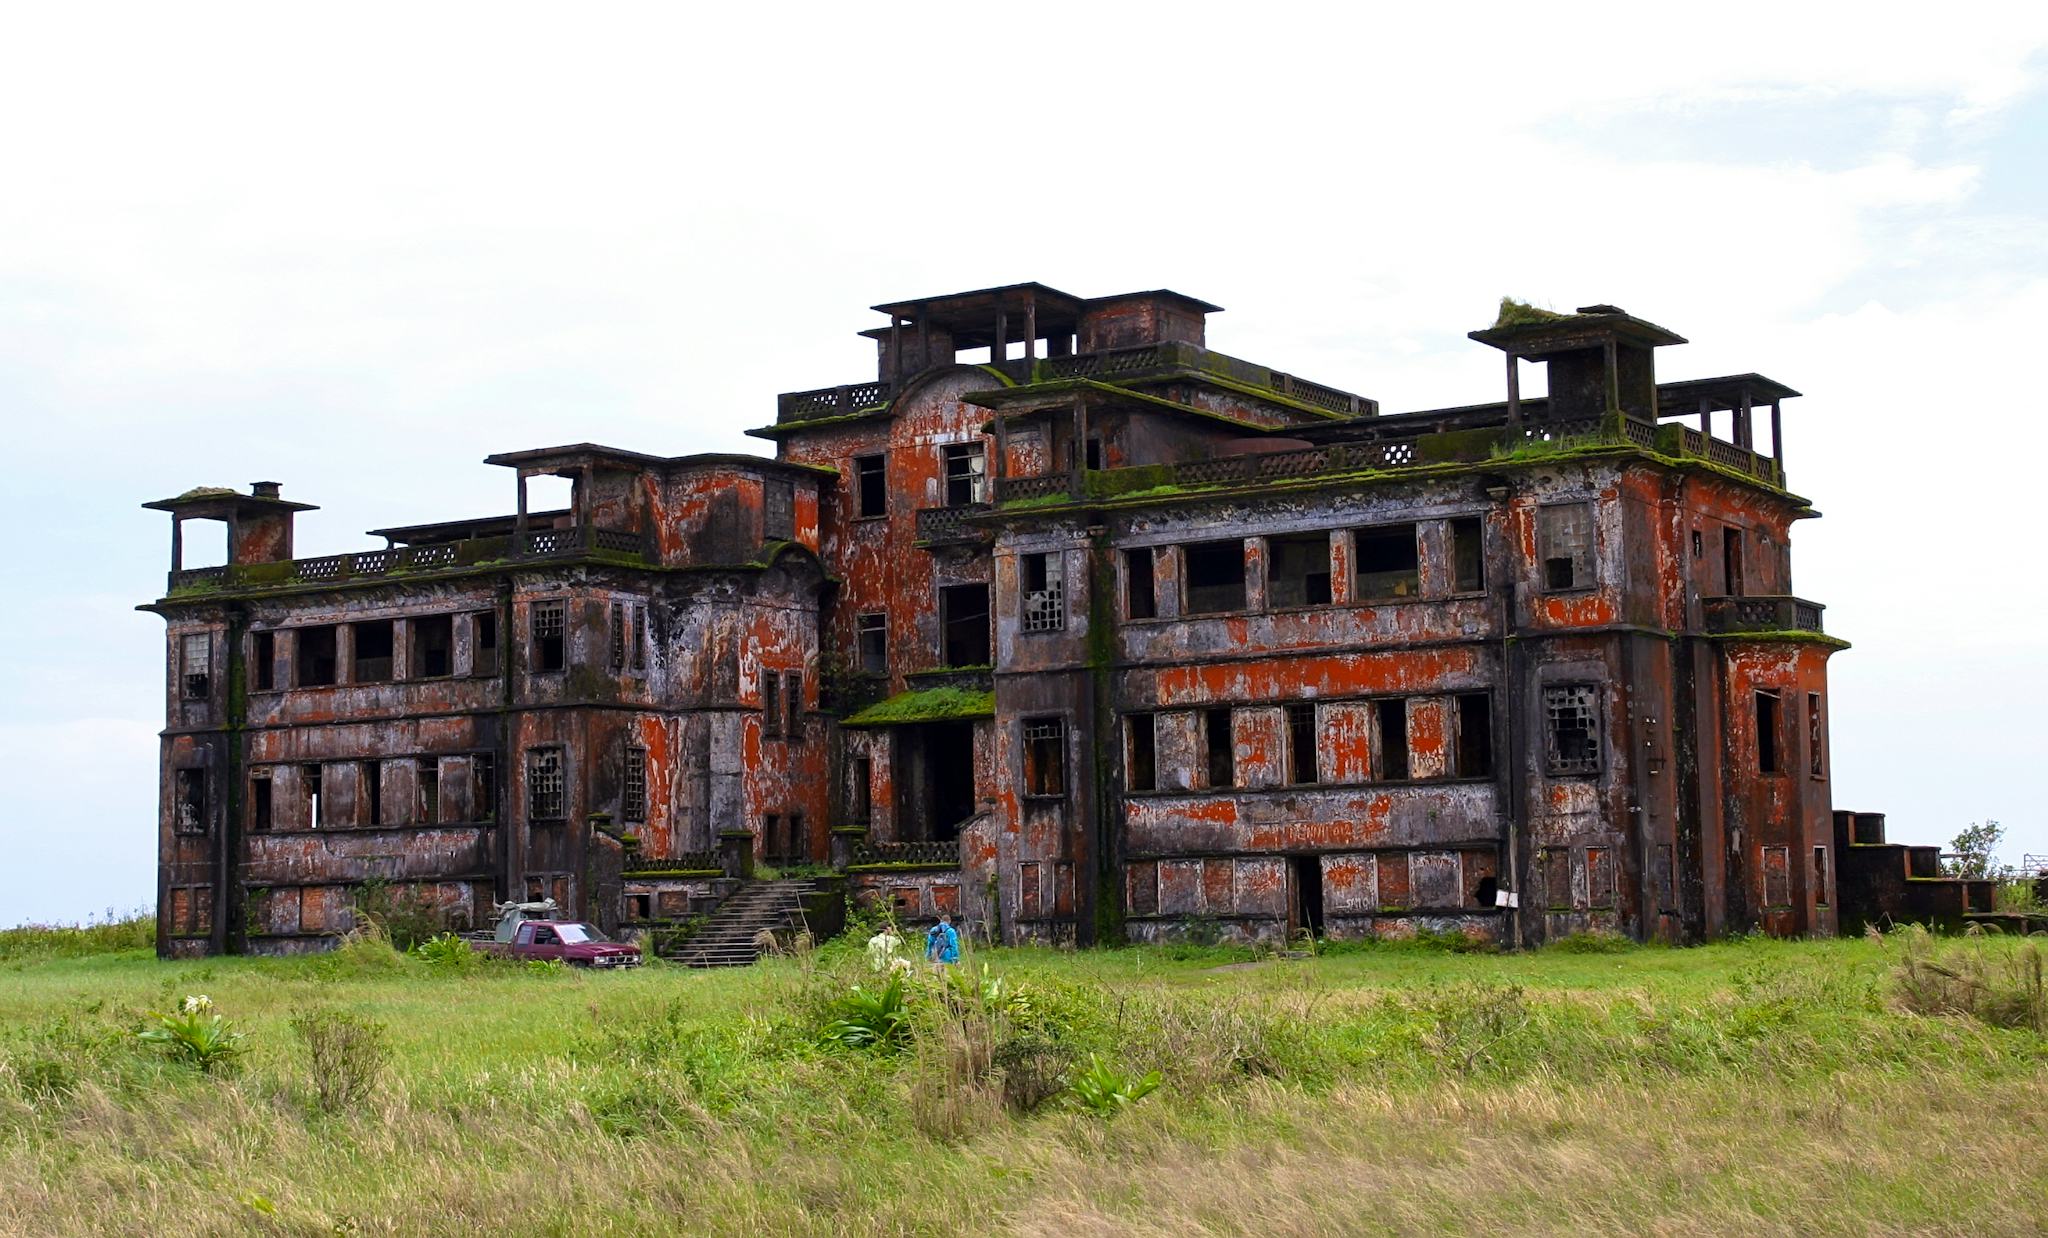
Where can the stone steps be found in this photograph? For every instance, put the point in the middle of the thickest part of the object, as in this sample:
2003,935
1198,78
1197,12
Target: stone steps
728,937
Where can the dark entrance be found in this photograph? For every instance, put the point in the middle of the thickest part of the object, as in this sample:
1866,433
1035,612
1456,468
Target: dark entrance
1306,912
938,795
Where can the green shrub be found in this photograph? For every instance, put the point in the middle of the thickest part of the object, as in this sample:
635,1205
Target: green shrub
116,933
546,967
1106,1091
871,1020
195,1036
447,950
407,915
346,1055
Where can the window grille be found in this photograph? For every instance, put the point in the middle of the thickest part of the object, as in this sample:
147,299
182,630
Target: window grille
196,661
1572,718
546,788
1045,607
633,786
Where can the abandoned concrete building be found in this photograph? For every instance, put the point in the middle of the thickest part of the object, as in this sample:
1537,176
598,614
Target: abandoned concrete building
1063,624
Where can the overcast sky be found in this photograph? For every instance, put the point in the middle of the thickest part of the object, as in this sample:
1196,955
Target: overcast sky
356,248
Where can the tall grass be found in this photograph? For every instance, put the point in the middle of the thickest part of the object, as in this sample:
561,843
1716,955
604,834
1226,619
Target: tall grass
111,934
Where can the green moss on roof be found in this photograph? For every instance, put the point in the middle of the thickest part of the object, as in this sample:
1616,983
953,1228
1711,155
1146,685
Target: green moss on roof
927,705
207,492
1515,313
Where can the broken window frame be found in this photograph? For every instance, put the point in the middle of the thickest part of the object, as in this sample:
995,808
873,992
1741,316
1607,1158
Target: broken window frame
619,625
1298,570
1041,580
1044,757
1141,595
372,634
420,640
771,703
1571,730
195,665
1816,745
427,791
871,487
1219,747
262,661
1304,767
1819,875
547,785
1208,585
1467,538
1392,760
483,773
633,784
262,801
1141,752
965,472
316,656
1386,563
1564,547
548,637
311,778
191,805
370,792
484,643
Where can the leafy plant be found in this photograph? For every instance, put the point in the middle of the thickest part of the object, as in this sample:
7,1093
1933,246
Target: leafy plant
1973,850
1105,1091
447,950
872,1020
196,1036
346,1053
546,967
407,915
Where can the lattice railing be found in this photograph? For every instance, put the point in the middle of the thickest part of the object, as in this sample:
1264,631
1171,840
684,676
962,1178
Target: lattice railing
830,401
197,577
687,862
327,569
950,524
618,540
1012,488
1103,364
1763,613
927,854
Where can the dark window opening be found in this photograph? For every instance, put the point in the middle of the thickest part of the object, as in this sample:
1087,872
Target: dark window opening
771,703
433,646
638,649
1486,893
1767,733
1215,577
871,482
191,804
1820,876
633,786
1475,736
427,809
1092,454
964,611
1393,719
1141,760
309,775
1299,570
860,790
1556,866
1699,545
1045,756
314,657
1140,602
196,658
546,787
621,626
484,772
1308,894
1301,744
1731,561
1468,556
640,907
1572,727
486,660
793,703
260,804
263,661
1565,544
373,790
550,636
771,837
872,634
966,474
373,645
778,509
1045,590
1816,764
1389,565
1220,746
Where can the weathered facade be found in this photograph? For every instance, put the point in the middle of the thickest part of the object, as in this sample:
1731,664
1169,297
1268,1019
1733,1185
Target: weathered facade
1063,624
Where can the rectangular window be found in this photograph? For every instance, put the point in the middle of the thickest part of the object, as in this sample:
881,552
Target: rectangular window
1140,602
485,623
1045,756
966,470
1816,762
1091,454
621,627
1389,565
550,636
1699,545
638,649
1599,878
1044,578
778,509
1777,875
314,663
1475,736
633,786
1301,744
1565,544
191,802
771,836
1731,561
309,777
1219,748
859,805
1820,876
1215,577
1571,729
263,661
373,645
963,612
261,809
484,787
1468,556
373,790
546,786
872,633
1392,716
1298,570
871,486
195,659
793,705
1141,752
1767,733
771,703
1556,863
427,784
432,638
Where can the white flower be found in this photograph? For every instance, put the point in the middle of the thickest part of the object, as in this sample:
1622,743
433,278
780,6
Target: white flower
198,1003
882,949
899,964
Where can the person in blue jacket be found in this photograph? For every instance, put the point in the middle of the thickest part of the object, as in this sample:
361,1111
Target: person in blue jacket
941,943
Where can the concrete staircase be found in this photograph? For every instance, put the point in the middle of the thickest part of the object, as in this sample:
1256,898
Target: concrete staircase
727,938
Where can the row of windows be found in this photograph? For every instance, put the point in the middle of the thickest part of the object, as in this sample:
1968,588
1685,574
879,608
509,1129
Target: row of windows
1770,757
370,807
1468,752
965,470
782,705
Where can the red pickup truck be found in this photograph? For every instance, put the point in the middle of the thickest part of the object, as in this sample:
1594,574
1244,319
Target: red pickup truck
572,941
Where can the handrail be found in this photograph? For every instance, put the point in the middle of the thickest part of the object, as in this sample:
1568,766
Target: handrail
369,564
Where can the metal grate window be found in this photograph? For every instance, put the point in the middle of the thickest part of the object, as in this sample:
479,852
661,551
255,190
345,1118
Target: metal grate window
778,509
550,629
196,666
1045,605
1045,756
546,786
1571,715
633,786
1566,537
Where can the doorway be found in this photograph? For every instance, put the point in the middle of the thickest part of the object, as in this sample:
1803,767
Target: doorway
937,797
1306,901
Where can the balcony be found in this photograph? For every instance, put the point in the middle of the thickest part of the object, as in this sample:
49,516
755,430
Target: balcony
937,854
587,541
943,526
1774,613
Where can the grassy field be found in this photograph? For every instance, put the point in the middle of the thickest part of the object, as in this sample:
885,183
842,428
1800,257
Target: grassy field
1752,1086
